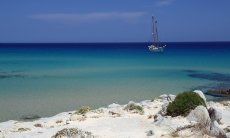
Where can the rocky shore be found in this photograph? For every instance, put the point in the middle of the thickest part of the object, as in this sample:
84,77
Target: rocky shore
135,120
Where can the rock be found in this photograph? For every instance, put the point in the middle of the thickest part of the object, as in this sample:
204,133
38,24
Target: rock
163,110
225,103
201,94
200,115
145,103
131,102
168,98
150,116
172,97
67,121
38,125
209,126
227,129
150,133
72,133
214,114
76,117
163,96
115,114
99,111
216,131
59,121
30,117
114,105
158,118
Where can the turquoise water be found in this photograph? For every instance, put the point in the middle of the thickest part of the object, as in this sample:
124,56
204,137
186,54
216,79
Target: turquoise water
45,79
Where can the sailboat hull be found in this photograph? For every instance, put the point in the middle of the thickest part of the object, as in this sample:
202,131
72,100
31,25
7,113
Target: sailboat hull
154,48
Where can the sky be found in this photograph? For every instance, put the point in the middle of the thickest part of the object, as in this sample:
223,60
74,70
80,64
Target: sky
113,20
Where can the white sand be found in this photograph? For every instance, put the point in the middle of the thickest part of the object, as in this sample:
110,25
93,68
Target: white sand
102,123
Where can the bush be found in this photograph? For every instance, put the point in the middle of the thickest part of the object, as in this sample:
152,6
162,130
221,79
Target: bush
83,110
184,103
135,108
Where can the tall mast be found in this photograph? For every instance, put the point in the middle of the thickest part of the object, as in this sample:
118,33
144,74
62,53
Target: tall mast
155,32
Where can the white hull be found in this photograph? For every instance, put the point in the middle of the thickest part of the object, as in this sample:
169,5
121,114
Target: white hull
154,48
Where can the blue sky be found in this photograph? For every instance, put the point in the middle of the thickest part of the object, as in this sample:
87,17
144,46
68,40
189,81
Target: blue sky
113,20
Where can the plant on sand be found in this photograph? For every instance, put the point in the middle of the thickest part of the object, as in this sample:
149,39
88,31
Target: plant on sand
134,107
184,103
83,110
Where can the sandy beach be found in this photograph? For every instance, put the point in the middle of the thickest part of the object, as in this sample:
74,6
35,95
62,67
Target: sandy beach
114,121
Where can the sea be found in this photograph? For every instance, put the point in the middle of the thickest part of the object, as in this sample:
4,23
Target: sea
44,79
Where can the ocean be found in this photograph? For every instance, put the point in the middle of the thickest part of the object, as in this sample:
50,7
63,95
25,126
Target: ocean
47,78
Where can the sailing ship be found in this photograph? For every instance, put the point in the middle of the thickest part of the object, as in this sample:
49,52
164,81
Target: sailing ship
156,45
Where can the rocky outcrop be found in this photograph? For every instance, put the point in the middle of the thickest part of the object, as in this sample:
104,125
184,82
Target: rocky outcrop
166,99
208,124
200,115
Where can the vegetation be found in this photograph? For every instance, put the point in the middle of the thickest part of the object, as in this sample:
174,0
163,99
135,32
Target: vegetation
83,110
134,107
184,103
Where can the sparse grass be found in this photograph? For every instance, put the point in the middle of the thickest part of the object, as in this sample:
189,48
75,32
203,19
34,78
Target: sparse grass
184,103
23,129
134,107
83,110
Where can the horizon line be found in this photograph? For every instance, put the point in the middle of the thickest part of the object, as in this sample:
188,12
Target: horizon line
106,42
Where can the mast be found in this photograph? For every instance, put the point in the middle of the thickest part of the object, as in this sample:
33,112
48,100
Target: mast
155,32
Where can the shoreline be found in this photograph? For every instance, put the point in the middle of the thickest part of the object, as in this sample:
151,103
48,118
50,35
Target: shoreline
112,121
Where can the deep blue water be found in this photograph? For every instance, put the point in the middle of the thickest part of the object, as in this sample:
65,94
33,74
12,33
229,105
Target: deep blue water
45,79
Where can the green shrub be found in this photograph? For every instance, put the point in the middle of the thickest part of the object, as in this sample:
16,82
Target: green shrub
83,110
184,103
134,107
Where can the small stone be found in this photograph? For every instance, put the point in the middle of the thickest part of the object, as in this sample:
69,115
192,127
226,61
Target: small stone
114,114
38,125
59,121
150,133
158,118
150,116
67,122
76,117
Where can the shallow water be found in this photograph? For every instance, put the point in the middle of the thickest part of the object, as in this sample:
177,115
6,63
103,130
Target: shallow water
46,79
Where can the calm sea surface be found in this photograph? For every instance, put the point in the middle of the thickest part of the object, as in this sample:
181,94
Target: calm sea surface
45,79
